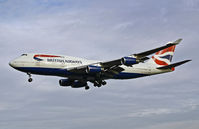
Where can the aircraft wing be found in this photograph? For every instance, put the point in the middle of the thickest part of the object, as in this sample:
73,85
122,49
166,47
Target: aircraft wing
140,57
114,65
146,53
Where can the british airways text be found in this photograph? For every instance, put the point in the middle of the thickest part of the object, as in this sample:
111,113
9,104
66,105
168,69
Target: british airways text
65,61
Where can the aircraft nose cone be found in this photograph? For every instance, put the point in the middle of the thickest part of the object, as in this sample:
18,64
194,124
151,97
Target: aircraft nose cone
11,63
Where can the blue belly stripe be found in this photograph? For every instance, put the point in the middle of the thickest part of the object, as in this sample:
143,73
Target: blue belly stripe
65,73
123,75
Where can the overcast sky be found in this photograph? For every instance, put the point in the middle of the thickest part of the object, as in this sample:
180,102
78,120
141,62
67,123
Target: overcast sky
99,30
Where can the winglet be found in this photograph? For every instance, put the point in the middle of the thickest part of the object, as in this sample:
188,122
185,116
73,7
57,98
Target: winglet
175,42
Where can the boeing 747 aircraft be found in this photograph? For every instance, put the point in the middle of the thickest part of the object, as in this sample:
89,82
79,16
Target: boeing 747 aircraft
77,72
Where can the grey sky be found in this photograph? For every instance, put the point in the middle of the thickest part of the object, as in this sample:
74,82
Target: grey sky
102,30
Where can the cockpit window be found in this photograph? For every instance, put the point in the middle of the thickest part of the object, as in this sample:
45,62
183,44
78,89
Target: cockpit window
24,55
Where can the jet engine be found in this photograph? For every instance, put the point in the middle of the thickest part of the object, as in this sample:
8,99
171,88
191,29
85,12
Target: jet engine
93,69
65,82
129,61
73,83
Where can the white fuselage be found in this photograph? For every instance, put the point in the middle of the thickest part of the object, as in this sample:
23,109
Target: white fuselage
59,65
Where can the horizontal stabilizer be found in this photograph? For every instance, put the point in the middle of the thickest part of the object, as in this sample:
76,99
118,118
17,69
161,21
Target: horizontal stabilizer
174,65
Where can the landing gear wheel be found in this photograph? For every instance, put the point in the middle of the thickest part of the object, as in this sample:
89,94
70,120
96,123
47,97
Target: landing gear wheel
99,85
103,83
30,80
87,87
96,83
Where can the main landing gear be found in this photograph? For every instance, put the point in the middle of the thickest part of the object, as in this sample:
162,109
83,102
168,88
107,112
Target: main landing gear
99,83
29,79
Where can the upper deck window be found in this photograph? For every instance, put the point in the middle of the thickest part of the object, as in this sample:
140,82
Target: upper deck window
24,55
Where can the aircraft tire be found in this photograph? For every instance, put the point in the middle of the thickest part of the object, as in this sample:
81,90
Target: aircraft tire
30,80
103,82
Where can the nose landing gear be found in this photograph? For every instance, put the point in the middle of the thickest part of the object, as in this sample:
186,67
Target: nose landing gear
29,79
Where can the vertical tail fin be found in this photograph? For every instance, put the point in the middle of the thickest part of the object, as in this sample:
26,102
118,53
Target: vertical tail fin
164,57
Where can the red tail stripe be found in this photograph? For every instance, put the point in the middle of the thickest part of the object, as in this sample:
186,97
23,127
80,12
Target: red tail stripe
169,49
159,62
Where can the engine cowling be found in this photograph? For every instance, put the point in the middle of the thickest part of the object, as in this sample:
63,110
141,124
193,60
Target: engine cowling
65,82
93,69
78,84
129,61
